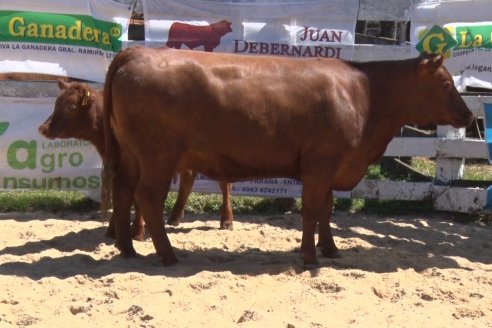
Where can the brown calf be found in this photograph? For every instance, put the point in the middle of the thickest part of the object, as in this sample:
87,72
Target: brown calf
78,114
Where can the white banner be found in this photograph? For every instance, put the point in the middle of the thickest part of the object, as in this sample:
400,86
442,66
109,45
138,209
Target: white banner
76,38
462,31
30,161
310,28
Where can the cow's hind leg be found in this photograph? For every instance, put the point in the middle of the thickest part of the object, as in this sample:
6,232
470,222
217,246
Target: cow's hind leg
151,192
186,180
226,218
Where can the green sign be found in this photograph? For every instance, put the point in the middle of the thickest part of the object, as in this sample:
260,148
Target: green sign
75,30
436,40
475,36
440,40
3,127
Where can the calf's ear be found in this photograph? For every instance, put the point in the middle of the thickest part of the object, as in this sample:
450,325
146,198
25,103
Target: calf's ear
63,85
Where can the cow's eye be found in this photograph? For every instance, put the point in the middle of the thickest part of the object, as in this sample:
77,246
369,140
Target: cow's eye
73,107
448,85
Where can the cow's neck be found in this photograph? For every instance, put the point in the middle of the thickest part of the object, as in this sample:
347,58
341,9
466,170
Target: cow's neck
390,85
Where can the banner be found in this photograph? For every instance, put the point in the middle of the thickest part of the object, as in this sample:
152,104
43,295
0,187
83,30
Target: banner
297,29
461,31
30,161
68,38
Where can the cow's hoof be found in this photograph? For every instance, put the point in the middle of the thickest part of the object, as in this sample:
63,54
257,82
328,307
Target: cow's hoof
139,237
308,266
111,233
138,233
173,223
127,252
170,261
226,226
331,252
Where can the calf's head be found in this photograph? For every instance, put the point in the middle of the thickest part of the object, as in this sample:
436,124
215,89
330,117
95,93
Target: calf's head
436,95
75,113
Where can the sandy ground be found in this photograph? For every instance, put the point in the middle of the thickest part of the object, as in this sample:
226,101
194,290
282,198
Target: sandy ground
425,271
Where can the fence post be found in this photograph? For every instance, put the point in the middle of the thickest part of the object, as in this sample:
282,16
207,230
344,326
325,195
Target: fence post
447,169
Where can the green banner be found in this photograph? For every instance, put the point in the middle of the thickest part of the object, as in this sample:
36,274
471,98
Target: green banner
454,37
75,30
474,36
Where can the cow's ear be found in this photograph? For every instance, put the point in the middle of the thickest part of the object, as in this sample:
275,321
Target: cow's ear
431,62
63,85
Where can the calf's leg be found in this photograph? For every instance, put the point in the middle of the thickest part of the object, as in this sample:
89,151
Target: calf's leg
111,232
226,209
138,224
124,183
186,180
325,237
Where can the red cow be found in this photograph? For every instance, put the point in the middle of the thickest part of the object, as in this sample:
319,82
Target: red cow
193,36
78,114
322,121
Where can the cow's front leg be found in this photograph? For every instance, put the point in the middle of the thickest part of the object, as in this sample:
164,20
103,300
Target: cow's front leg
325,238
315,206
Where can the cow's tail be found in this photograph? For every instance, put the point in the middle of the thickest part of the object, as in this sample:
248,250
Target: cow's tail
111,150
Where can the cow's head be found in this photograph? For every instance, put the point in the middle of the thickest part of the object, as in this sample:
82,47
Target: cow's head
74,115
224,26
435,92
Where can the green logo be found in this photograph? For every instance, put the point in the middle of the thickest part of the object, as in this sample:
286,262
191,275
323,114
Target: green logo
3,127
437,40
66,29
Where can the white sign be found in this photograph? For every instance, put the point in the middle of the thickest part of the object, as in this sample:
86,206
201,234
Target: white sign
462,32
297,29
68,38
30,161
